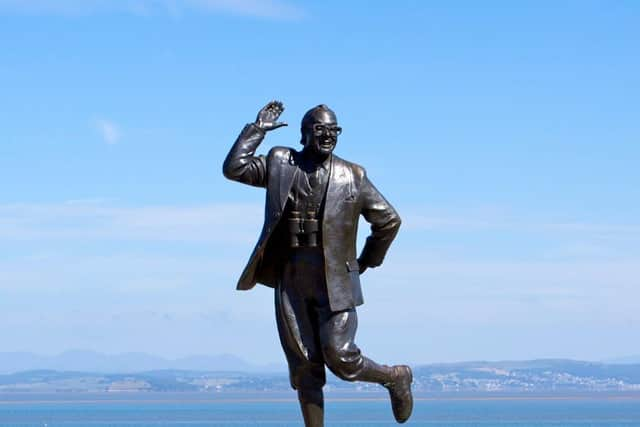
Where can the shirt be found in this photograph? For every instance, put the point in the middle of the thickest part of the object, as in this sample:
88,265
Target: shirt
309,187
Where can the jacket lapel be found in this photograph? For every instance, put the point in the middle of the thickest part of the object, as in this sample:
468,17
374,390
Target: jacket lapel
335,188
287,172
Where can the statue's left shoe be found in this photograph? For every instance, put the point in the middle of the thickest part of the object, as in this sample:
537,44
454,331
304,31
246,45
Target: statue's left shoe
400,392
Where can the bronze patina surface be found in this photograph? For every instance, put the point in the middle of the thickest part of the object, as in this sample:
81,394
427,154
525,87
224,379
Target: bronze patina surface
307,253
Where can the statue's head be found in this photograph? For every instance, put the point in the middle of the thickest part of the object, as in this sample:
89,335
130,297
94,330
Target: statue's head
320,130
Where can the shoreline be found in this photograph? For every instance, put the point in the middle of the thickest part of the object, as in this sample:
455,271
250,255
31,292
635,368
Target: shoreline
21,398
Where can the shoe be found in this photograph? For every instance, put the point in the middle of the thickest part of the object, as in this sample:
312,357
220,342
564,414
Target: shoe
400,393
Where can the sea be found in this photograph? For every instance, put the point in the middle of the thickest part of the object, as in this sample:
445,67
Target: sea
238,410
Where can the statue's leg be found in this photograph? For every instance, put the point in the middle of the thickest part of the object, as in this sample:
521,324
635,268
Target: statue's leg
345,360
342,355
298,331
312,406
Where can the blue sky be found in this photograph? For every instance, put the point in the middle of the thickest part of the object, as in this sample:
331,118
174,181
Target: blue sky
505,133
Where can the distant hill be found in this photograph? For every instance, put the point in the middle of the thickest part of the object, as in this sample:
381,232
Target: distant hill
624,360
90,361
546,376
541,373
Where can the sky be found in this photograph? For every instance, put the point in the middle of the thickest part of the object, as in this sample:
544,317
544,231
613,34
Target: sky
506,134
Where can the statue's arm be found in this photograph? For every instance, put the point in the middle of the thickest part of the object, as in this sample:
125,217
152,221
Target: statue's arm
241,164
385,223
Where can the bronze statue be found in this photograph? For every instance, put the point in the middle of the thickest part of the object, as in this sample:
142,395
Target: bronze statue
307,253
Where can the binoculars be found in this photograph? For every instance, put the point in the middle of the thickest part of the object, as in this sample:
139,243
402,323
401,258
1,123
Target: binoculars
303,232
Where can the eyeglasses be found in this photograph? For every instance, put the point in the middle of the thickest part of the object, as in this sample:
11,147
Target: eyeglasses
319,130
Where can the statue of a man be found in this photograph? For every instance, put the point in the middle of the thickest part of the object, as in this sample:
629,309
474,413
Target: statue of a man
307,253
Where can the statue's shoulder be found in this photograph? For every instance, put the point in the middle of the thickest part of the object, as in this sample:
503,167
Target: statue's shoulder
355,168
281,154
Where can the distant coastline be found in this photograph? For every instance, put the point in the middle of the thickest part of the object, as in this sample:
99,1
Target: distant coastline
80,398
512,379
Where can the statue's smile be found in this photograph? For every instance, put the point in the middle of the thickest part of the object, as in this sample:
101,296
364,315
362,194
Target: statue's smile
328,142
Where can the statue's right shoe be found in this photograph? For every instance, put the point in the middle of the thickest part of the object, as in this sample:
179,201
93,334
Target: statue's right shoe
400,392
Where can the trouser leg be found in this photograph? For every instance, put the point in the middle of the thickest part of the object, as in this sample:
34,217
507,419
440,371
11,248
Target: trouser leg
300,342
297,328
342,355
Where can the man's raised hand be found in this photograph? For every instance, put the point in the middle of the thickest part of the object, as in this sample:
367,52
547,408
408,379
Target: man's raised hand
268,116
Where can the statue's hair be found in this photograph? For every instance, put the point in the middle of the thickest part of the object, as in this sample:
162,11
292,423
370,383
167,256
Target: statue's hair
311,117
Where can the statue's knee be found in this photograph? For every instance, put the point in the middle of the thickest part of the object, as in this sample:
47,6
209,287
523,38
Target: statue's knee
345,364
307,376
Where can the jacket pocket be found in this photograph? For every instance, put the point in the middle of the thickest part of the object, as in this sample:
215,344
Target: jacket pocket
353,270
352,266
354,273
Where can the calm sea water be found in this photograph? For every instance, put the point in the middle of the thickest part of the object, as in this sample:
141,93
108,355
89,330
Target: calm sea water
144,410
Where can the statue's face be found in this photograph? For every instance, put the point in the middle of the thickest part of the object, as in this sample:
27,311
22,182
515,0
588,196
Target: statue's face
322,137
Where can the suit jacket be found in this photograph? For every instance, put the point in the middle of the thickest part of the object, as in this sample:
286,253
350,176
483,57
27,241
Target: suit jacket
349,195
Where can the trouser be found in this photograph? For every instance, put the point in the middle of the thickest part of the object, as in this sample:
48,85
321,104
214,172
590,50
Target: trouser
312,335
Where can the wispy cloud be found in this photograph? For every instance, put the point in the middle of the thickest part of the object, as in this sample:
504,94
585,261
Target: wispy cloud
92,219
60,263
109,131
482,222
260,8
274,9
101,218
